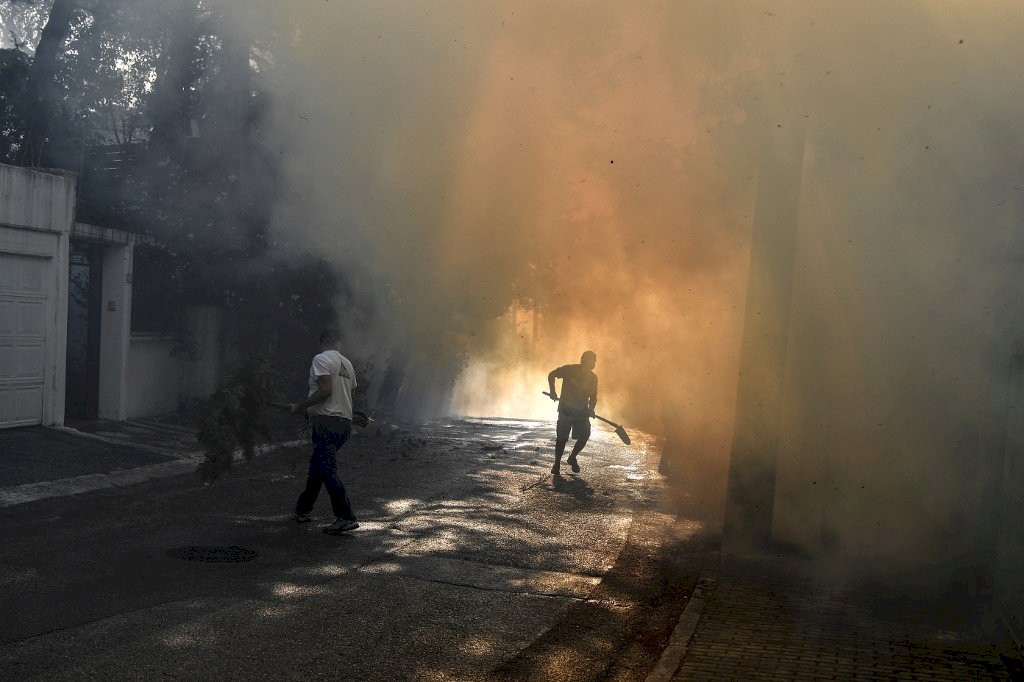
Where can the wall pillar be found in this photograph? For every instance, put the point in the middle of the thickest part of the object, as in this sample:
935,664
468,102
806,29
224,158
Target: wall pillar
753,463
115,330
54,407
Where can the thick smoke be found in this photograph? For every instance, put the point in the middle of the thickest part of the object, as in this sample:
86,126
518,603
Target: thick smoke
594,166
464,159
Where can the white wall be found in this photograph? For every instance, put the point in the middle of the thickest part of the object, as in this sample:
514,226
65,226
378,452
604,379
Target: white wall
36,200
202,374
154,377
157,379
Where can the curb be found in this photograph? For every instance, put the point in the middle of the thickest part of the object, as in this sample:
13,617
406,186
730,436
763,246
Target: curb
43,490
679,642
166,452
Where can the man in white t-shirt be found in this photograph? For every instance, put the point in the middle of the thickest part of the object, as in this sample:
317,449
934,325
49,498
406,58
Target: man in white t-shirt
329,406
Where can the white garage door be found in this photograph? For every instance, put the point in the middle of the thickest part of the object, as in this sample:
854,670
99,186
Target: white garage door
22,339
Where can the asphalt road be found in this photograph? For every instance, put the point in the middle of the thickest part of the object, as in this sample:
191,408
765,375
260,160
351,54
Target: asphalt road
472,562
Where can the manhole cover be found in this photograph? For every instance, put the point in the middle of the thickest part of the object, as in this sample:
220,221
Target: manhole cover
213,555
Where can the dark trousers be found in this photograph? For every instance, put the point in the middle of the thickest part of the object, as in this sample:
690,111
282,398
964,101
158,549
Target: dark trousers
329,434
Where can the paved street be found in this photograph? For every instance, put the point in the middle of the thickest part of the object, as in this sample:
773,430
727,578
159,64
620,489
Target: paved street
470,562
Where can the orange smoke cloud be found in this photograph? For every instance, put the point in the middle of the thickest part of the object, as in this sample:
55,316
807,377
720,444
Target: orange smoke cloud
588,189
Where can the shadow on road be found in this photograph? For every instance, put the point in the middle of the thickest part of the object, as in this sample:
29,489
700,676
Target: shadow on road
573,485
468,551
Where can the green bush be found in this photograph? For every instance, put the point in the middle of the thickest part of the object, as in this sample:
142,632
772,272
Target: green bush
236,416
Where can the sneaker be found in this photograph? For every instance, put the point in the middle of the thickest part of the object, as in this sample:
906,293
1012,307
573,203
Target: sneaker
302,518
574,464
341,526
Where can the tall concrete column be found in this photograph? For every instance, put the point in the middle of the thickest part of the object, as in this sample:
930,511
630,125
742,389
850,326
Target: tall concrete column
115,330
753,462
54,407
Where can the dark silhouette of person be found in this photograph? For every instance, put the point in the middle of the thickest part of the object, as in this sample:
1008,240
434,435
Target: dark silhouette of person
329,407
575,407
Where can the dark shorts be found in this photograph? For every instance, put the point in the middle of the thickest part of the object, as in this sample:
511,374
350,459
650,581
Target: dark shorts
577,427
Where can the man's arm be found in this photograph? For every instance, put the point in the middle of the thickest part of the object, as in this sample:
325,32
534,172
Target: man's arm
552,375
324,389
593,400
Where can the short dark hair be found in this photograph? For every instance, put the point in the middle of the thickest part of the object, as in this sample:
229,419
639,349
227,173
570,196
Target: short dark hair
330,334
591,353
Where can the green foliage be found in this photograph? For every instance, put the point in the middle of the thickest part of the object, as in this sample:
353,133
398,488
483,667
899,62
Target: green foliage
14,69
235,416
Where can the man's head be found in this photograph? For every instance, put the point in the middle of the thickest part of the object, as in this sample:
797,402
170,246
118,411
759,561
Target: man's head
330,339
589,360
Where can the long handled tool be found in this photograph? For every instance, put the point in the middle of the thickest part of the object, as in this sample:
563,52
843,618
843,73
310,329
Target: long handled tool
360,419
619,431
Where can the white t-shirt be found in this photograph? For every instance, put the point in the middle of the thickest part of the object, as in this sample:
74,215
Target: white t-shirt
339,403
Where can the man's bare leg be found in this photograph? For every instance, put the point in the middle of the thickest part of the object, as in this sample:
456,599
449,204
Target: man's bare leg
559,451
577,448
582,433
563,429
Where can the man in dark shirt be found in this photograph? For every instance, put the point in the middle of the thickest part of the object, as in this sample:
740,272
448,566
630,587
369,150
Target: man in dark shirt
575,408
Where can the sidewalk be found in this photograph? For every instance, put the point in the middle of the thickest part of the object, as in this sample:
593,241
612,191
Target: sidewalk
38,462
772,618
175,435
168,435
36,453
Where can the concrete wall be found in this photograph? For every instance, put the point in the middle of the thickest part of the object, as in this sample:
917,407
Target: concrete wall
889,442
766,335
204,368
160,379
37,200
1009,573
154,376
115,331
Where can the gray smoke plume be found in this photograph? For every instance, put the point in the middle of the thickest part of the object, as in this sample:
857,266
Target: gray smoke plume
594,166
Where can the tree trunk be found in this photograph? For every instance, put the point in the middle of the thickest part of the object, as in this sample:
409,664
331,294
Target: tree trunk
169,108
41,81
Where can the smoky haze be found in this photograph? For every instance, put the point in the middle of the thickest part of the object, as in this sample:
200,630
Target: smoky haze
506,185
